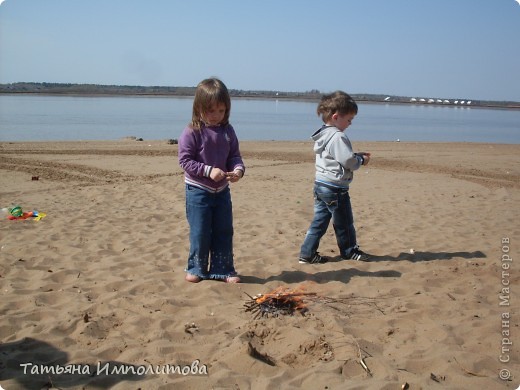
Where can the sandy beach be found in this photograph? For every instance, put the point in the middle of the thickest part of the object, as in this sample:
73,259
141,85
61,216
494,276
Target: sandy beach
93,294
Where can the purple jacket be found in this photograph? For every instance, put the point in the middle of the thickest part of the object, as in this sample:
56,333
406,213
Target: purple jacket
201,150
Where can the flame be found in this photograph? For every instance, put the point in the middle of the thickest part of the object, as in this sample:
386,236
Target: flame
284,297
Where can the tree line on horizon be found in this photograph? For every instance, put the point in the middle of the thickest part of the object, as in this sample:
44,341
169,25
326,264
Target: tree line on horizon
134,90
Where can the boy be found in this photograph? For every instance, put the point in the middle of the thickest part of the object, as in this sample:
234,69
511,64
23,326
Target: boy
335,164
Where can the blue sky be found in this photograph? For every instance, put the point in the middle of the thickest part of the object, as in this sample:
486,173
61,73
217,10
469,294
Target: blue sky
465,49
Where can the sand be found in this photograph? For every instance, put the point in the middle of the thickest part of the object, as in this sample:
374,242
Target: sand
93,295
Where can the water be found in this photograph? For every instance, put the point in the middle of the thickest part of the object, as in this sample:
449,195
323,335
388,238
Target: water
49,118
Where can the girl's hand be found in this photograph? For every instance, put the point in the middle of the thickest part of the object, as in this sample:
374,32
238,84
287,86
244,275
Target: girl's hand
217,174
234,176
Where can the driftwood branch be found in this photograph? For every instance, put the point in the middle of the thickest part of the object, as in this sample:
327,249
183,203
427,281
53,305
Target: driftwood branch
263,357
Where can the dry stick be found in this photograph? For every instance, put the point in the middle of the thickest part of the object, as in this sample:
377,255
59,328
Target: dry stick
252,305
263,357
361,361
347,342
467,371
365,366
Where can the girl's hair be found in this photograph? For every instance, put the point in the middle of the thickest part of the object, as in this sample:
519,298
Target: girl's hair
209,91
336,102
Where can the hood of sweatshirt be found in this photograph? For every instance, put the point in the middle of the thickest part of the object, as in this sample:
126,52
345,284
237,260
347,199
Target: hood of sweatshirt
322,137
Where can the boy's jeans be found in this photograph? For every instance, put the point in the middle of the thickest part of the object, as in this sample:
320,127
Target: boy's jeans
211,233
330,203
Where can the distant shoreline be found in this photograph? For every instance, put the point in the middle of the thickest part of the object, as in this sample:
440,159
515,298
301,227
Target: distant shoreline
94,90
285,98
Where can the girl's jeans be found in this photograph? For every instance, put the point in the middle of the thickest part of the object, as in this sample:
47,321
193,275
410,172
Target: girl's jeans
211,233
330,203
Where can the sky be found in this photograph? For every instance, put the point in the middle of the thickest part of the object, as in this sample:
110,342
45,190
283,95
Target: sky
453,49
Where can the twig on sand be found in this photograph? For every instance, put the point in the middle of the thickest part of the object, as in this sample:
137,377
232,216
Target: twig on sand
362,359
363,364
467,371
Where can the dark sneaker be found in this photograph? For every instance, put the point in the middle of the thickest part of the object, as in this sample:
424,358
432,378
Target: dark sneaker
316,259
357,254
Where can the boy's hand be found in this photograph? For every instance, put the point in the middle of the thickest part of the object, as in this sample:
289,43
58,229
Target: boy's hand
366,157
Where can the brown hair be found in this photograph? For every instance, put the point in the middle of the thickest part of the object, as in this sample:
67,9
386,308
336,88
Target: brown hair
209,91
336,102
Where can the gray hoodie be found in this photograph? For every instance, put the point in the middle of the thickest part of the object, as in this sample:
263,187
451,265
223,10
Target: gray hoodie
335,159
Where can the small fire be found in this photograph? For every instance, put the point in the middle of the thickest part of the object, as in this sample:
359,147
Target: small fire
284,301
280,301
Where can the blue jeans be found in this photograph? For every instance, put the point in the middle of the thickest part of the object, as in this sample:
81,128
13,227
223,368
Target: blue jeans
210,218
330,203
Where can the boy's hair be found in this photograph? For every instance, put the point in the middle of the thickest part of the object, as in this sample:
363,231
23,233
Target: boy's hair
209,92
336,102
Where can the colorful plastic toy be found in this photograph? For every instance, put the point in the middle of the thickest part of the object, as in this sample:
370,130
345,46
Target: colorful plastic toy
16,213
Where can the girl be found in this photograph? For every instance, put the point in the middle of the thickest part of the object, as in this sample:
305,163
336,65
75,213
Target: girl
210,157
